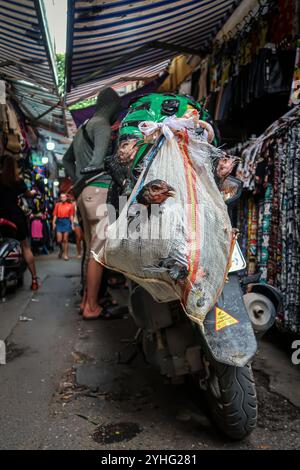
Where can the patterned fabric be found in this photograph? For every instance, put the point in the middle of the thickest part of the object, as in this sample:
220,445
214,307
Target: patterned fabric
269,213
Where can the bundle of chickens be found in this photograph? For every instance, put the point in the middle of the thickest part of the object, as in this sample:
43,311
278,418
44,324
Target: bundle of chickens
173,235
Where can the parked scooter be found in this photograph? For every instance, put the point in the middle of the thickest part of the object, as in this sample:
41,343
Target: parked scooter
12,264
218,355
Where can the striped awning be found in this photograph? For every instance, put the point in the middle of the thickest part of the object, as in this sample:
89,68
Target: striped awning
109,40
25,47
116,82
42,108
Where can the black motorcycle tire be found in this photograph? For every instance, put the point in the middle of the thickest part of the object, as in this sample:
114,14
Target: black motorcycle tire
232,400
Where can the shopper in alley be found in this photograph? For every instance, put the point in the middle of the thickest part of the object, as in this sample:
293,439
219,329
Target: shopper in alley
84,163
12,186
63,224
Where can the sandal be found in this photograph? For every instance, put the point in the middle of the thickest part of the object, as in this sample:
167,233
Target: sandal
105,302
34,284
115,313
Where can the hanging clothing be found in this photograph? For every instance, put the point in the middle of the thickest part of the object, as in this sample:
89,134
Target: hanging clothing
269,213
179,70
203,79
295,91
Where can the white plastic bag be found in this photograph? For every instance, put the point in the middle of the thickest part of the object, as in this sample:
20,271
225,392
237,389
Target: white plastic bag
182,249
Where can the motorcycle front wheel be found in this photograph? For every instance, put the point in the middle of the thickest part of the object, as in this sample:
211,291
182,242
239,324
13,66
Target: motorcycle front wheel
231,396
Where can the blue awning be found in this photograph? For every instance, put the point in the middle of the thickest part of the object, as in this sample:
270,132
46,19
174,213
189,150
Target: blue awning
25,47
111,39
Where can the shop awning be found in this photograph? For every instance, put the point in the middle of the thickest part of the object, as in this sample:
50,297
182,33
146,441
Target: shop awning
112,39
117,82
42,108
25,47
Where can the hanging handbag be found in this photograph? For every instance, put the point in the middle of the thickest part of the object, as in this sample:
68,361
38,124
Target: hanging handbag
12,144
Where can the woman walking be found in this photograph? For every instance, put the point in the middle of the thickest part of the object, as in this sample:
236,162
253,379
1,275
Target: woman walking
11,187
63,223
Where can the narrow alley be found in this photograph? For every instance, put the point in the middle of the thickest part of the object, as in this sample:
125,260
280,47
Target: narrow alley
74,384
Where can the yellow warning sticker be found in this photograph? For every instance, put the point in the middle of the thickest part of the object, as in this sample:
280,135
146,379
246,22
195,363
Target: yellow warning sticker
223,319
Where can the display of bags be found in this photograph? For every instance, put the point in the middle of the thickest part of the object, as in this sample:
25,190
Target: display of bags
11,137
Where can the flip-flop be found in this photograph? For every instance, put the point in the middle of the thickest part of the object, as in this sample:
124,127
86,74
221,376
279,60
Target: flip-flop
116,313
106,302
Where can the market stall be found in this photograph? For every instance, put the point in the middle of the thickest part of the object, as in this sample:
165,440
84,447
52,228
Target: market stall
30,106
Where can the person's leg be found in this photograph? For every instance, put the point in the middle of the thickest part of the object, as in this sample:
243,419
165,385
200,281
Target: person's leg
92,200
87,243
78,234
29,259
59,238
92,308
65,245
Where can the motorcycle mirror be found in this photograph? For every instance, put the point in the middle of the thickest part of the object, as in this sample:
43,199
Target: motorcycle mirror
231,189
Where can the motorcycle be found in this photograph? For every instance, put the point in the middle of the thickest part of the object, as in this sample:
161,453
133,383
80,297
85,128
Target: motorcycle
12,264
217,356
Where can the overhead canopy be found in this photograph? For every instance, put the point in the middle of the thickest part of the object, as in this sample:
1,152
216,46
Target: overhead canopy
25,47
41,107
119,81
112,39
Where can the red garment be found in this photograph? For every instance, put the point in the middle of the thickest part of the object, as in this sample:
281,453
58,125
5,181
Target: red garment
64,210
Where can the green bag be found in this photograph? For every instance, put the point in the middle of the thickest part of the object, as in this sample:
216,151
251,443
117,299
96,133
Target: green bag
155,107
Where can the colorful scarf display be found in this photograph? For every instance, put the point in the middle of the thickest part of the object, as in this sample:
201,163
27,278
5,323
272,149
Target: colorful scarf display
269,213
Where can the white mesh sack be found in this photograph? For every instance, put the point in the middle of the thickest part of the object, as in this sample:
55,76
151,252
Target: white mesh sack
174,236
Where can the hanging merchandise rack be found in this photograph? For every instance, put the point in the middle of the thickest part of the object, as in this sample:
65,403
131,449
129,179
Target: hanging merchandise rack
269,212
250,67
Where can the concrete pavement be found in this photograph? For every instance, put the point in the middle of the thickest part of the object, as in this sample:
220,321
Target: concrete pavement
63,386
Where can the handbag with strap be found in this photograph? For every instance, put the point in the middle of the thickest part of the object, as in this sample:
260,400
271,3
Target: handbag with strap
12,144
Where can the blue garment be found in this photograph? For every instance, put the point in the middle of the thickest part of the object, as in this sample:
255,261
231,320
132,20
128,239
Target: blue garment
63,225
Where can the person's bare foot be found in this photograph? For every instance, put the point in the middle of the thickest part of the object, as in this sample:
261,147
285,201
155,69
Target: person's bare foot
92,314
